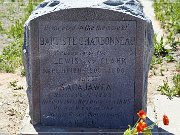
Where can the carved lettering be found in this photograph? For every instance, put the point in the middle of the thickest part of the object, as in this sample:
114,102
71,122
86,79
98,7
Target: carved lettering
87,72
74,41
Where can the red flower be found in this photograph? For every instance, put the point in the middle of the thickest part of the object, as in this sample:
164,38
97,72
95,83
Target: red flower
141,114
165,120
141,126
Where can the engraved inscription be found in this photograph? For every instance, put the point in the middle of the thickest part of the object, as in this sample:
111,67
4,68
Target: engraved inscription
87,27
87,73
58,41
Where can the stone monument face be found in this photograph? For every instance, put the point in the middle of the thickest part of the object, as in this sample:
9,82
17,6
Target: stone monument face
87,72
87,67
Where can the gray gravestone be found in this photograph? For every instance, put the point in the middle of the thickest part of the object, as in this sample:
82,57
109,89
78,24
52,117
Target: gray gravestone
87,63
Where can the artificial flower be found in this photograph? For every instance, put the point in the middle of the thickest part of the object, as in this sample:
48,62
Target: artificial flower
165,120
141,126
142,114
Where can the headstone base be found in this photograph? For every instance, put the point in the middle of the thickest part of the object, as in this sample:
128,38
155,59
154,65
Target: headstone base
29,129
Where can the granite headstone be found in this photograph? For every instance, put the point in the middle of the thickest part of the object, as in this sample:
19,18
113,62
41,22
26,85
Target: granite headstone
87,62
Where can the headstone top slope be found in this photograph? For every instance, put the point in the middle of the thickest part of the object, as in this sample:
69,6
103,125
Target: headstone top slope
131,7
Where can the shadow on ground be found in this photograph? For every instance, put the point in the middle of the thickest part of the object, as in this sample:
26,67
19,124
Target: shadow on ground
158,130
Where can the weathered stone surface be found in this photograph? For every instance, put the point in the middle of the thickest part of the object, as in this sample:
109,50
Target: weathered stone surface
29,129
86,70
87,63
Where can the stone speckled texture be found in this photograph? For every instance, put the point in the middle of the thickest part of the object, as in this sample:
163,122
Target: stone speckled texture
132,7
80,12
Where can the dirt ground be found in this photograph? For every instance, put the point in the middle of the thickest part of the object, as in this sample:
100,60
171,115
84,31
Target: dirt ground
13,103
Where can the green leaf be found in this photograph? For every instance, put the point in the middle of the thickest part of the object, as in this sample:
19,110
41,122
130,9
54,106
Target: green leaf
127,132
147,132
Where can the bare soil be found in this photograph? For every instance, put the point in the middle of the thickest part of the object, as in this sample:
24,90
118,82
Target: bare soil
13,103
